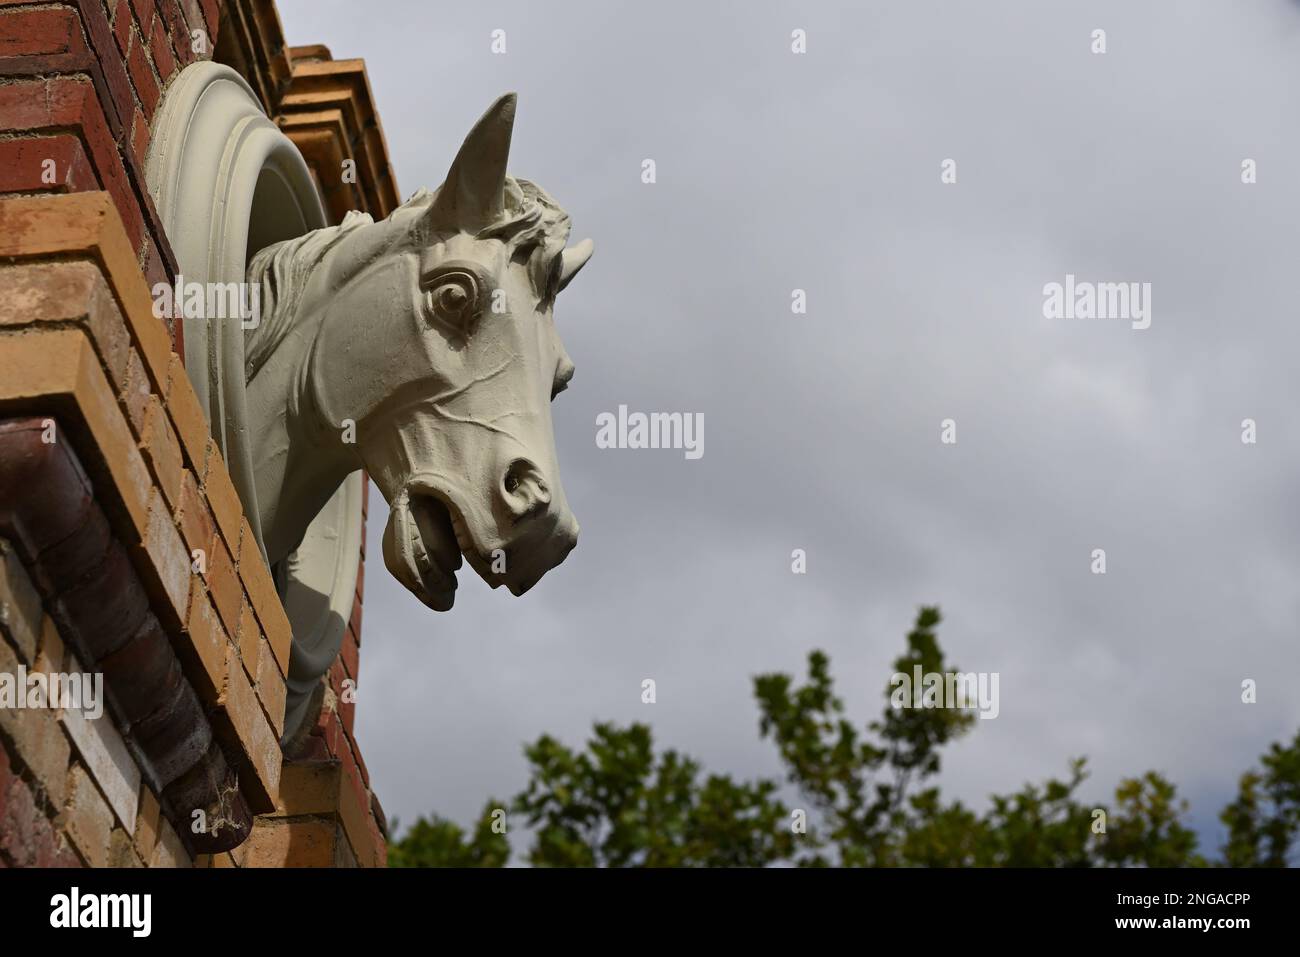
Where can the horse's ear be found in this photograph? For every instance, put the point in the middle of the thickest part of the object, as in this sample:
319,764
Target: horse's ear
473,196
573,259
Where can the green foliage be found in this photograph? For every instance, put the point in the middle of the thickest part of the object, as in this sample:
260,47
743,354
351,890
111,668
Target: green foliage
868,796
615,805
438,842
1263,820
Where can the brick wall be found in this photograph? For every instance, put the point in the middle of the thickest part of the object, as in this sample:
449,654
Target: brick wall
80,245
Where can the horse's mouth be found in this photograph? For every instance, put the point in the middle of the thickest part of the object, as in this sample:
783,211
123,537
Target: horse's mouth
422,548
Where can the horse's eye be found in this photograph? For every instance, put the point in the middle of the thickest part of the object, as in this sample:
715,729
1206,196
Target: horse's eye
453,299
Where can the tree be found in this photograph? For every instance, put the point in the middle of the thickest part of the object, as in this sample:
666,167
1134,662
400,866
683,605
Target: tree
438,842
1263,821
869,799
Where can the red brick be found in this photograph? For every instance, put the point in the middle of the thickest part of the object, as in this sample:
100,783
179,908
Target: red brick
330,730
354,622
20,820
47,30
344,689
108,67
23,166
349,654
161,49
361,764
122,20
139,137
155,272
144,10
72,102
170,11
212,17
142,77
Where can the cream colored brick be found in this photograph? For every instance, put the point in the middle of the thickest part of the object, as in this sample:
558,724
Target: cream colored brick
37,737
169,852
20,605
87,818
105,755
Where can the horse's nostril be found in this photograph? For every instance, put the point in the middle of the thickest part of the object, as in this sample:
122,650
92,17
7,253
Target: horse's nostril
525,488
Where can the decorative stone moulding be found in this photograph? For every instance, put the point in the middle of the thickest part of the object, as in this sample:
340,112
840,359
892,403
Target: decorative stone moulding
227,183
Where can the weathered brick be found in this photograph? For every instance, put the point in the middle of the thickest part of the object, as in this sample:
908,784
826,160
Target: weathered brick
135,397
87,818
169,851
166,572
35,164
20,604
144,11
20,821
307,843
50,653
146,823
350,655
197,525
162,451
249,638
354,622
46,30
223,499
160,48
142,75
187,414
37,738
122,20
244,728
271,688
121,850
224,587
266,603
204,655
68,292
106,758
212,17
139,140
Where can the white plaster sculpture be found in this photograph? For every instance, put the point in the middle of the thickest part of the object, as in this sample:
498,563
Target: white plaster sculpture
421,348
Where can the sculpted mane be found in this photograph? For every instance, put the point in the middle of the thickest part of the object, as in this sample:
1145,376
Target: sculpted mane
282,270
532,225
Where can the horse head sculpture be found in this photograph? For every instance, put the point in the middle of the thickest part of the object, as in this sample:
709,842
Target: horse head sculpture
422,348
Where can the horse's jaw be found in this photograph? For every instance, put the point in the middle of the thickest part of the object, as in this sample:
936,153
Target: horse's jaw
423,546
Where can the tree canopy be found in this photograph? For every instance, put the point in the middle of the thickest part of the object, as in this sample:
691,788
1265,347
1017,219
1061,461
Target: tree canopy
866,797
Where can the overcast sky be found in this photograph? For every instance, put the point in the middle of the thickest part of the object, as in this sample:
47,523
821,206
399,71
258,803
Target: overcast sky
821,172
